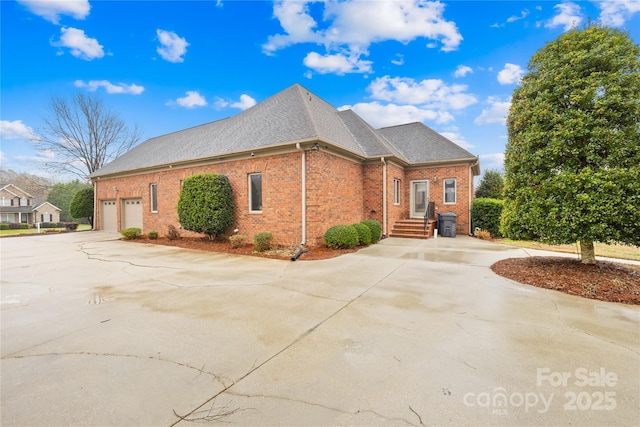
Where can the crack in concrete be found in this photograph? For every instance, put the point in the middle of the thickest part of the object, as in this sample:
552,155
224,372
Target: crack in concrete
219,378
582,331
96,257
330,408
291,344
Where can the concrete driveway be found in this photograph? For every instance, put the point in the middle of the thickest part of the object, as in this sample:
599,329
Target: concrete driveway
101,332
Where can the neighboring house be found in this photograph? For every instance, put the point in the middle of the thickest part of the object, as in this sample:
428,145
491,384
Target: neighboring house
18,206
297,166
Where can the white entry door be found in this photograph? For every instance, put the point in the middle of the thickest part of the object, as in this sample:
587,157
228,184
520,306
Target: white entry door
419,198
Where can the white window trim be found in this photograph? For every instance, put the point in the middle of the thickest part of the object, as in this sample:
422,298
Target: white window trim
153,198
444,191
397,185
249,192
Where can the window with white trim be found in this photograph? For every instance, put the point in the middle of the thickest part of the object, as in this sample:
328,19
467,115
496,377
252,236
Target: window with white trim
24,202
153,194
47,217
255,192
396,191
450,191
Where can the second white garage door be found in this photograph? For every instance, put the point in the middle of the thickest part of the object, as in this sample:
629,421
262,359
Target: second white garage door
132,213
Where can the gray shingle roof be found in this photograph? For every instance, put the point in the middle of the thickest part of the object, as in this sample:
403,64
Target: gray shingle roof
292,115
420,144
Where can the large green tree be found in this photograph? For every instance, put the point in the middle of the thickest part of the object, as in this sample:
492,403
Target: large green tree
491,185
82,205
572,164
61,195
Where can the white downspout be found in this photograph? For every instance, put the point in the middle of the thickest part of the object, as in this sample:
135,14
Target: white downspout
384,197
470,198
304,194
95,205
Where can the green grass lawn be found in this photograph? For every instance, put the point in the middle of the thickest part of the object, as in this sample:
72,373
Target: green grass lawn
3,233
610,251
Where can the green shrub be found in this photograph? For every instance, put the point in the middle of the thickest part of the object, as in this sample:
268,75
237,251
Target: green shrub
4,226
485,214
341,236
206,204
71,226
262,241
131,233
173,233
364,234
376,229
24,226
238,240
153,235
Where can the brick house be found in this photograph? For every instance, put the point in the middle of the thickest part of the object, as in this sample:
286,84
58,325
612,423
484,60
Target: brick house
297,166
18,206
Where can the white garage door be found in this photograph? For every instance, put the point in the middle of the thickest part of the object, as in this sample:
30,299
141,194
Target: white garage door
132,213
108,215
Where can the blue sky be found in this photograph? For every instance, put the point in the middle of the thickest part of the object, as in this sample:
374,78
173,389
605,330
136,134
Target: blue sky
167,66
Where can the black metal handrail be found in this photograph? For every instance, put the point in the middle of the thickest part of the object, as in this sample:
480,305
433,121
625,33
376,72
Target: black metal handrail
429,213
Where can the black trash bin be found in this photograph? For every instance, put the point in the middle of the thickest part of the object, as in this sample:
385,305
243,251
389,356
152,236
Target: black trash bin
447,224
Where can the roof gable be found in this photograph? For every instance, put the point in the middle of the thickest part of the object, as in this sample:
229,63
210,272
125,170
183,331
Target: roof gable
16,191
41,205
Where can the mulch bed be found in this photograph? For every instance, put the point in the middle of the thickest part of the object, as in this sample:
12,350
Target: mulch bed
605,281
203,244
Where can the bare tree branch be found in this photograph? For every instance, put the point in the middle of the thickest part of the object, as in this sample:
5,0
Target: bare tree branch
83,135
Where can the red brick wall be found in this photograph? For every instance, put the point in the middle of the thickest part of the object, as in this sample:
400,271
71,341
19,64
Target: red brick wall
334,193
339,191
281,181
436,191
396,212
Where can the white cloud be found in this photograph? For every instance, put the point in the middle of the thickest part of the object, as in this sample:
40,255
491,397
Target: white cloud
462,71
339,63
569,16
453,134
492,161
496,113
244,103
191,100
81,46
379,115
515,18
111,88
172,47
432,93
15,130
398,60
52,9
616,13
510,74
349,27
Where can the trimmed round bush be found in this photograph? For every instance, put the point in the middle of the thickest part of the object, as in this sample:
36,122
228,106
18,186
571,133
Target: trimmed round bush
375,228
131,233
262,241
4,226
24,226
341,236
364,234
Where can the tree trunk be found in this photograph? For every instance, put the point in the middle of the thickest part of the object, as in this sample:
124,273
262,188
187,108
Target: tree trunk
587,253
